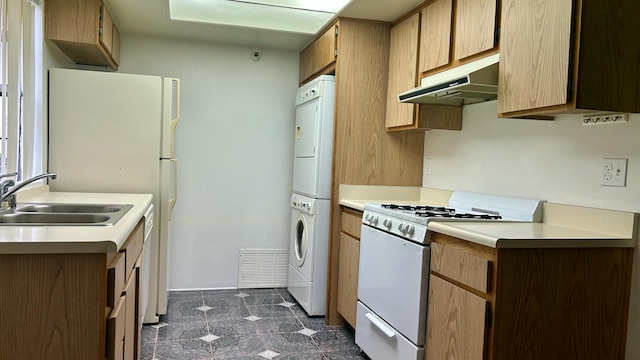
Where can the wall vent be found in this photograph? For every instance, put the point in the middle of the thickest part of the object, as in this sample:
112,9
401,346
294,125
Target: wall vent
263,268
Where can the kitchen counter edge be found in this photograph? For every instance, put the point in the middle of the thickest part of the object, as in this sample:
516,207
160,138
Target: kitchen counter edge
61,239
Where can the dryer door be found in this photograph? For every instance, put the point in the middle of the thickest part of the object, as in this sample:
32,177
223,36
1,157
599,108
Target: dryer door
306,129
301,239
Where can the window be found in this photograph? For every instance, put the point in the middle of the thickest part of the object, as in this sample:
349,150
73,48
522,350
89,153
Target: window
21,92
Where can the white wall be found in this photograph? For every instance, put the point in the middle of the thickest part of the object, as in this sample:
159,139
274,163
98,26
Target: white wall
558,161
234,145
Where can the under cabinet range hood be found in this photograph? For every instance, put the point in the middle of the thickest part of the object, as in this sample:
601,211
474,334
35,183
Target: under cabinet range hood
470,83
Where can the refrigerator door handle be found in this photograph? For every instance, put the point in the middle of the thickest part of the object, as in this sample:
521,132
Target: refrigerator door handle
174,180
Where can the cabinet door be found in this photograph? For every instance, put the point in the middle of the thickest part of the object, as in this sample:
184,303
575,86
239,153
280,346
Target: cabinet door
320,54
403,62
106,29
475,27
348,262
534,54
435,35
115,53
456,326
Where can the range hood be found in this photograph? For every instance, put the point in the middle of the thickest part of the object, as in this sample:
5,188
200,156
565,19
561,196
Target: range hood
470,83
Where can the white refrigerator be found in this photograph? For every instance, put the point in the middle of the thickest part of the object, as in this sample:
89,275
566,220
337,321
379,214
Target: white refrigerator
113,132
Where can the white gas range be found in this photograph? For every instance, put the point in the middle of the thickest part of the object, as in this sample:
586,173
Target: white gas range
395,264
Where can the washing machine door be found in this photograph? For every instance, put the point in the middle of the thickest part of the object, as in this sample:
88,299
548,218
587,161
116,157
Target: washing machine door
300,239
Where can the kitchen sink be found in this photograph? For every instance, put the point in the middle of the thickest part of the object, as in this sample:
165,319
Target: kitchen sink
70,208
64,214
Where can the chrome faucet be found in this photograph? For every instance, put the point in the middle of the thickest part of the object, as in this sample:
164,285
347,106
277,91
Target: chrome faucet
10,195
5,184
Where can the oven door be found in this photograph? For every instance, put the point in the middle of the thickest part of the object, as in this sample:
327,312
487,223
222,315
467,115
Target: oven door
392,281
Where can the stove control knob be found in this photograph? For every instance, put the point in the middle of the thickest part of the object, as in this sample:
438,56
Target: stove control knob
401,227
367,217
387,223
408,229
374,219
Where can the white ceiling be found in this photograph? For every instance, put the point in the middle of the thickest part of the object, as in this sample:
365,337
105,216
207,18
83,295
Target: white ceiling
151,17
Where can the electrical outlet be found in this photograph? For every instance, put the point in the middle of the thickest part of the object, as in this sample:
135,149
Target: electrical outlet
426,166
614,172
602,119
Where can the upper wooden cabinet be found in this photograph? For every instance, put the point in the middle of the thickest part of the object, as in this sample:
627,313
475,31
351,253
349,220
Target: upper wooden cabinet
403,75
435,35
565,56
84,30
319,55
475,29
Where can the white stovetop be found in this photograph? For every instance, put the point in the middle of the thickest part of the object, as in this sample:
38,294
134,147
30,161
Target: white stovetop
74,239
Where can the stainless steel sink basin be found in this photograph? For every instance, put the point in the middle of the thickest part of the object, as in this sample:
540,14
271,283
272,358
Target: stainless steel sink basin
64,214
71,208
66,219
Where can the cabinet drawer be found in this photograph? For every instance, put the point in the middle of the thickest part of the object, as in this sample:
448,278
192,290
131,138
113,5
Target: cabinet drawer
351,223
115,279
133,248
130,317
461,266
115,330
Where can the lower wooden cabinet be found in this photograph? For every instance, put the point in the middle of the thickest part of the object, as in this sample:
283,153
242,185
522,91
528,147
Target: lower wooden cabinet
71,306
348,263
538,304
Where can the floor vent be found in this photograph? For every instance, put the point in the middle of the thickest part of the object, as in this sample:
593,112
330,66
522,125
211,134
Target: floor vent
263,268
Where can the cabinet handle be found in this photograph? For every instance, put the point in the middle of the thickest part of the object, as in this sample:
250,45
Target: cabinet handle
382,327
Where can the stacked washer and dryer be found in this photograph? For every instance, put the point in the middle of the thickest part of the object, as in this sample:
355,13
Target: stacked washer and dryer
310,201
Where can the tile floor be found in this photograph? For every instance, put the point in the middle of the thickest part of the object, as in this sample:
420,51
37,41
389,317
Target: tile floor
243,324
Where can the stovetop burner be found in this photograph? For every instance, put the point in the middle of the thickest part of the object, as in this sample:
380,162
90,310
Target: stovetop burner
458,216
418,208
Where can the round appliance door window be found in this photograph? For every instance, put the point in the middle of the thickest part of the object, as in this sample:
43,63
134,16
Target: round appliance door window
301,240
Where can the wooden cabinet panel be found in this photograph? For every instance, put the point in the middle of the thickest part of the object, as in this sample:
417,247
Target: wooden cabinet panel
461,266
435,35
132,248
475,27
351,223
83,30
456,327
115,280
534,54
349,261
403,59
116,330
318,55
131,318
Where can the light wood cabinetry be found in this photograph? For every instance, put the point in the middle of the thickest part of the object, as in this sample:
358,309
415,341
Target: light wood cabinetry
499,304
319,55
349,260
565,56
475,29
403,75
435,35
364,152
84,31
71,306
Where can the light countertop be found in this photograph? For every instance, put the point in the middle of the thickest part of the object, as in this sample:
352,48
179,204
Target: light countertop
562,226
74,239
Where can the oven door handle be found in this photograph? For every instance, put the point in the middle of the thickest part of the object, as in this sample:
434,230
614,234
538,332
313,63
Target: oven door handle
382,327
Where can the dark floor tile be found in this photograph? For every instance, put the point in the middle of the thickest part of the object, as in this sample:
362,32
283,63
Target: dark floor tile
271,311
226,327
346,355
278,325
308,356
146,352
182,331
287,296
238,345
222,298
148,334
227,312
183,350
263,299
290,343
181,311
342,340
